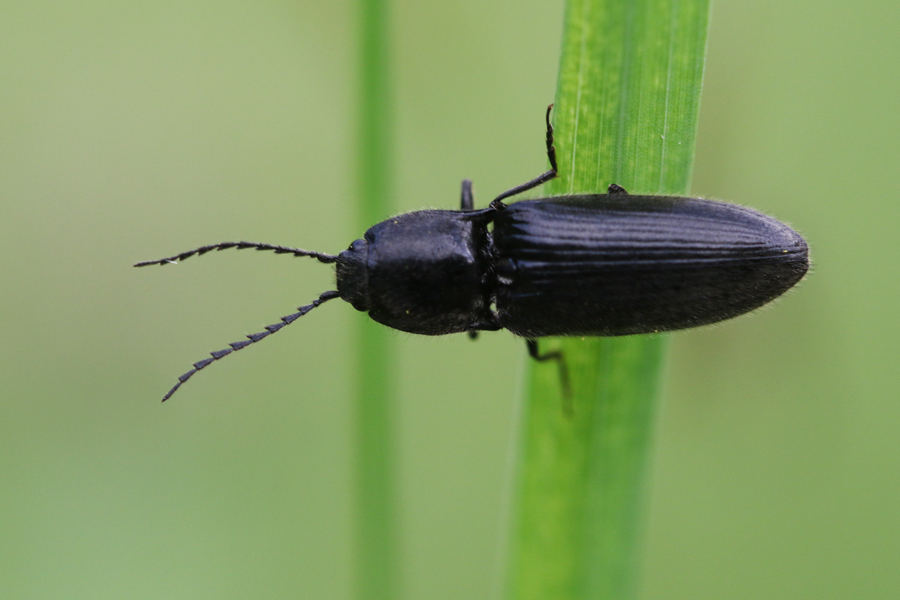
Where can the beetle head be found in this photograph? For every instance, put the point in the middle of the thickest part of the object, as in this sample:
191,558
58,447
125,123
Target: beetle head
353,275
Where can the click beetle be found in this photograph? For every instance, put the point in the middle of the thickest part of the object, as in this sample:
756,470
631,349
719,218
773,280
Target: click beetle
583,265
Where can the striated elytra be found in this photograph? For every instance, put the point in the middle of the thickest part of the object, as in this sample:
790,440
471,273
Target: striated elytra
587,265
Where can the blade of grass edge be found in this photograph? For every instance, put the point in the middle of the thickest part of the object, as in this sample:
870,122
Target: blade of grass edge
375,535
626,112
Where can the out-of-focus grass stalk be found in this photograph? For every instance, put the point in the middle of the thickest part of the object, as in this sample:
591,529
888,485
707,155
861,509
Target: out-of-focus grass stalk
376,531
625,113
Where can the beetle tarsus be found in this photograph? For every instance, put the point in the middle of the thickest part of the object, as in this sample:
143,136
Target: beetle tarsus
551,149
556,355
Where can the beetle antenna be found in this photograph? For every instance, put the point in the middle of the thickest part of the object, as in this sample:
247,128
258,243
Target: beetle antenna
325,258
252,338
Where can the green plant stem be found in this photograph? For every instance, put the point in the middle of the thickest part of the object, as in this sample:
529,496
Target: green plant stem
626,113
376,533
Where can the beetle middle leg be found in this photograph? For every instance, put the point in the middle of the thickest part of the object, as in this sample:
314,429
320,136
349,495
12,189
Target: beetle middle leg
556,355
497,203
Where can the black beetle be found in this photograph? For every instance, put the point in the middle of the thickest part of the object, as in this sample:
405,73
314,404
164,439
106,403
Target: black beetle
587,265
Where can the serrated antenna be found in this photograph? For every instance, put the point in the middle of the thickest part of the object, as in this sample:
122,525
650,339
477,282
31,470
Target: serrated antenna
325,258
251,339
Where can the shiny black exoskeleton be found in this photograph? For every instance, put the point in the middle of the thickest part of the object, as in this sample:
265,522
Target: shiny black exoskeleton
601,265
589,265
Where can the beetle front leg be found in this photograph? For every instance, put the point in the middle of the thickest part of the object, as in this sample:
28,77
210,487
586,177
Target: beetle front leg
467,200
563,372
497,203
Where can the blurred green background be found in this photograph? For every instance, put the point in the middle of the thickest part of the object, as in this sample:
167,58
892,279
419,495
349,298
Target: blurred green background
129,131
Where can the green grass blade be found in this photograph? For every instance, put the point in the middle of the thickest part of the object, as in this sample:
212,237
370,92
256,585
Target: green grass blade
376,533
626,113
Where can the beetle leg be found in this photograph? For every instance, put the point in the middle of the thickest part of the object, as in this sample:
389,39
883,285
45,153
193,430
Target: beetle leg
563,371
551,149
467,200
616,190
489,322
497,203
